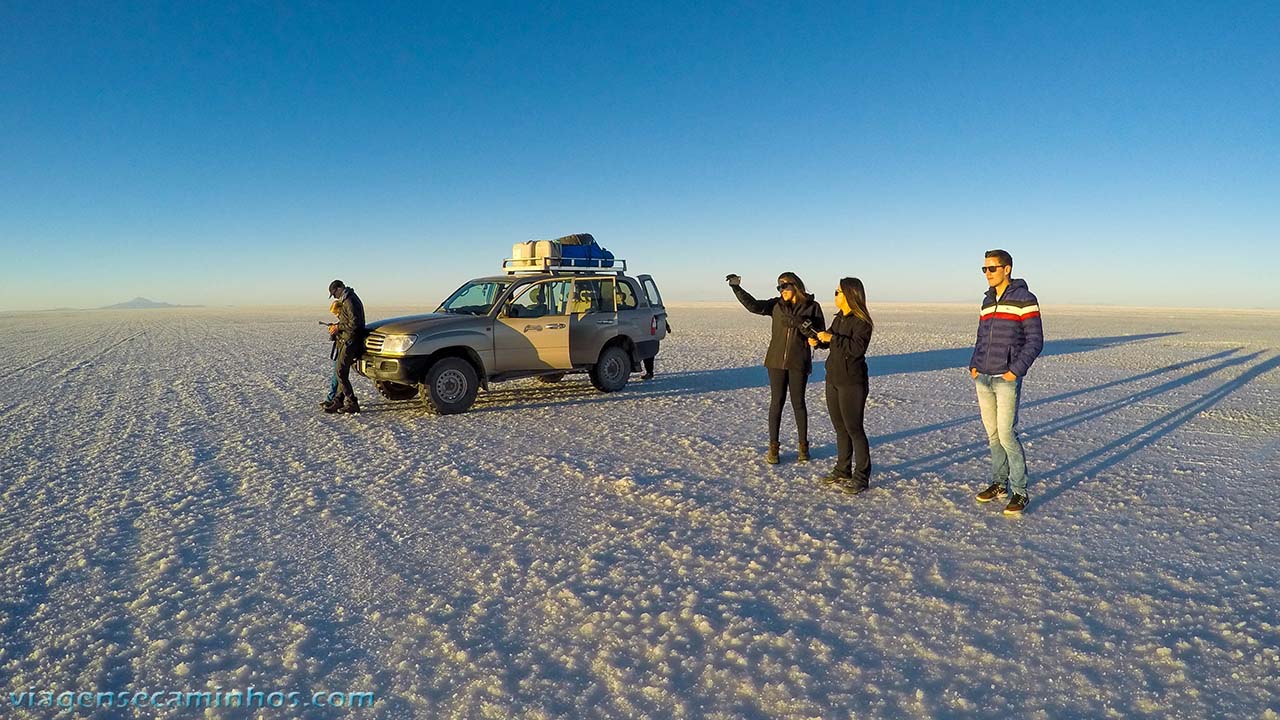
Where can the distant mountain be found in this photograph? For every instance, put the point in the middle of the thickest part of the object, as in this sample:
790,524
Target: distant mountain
141,303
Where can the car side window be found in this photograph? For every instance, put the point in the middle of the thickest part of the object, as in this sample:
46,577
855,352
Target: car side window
540,300
592,296
626,296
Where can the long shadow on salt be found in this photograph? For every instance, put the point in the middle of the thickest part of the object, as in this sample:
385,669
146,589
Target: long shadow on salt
936,462
688,384
1113,453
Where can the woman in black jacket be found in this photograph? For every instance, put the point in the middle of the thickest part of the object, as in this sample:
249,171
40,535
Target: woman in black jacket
796,315
847,385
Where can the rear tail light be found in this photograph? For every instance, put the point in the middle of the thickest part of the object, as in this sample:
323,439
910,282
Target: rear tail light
653,326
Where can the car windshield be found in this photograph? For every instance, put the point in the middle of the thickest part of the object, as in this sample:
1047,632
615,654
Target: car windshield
474,298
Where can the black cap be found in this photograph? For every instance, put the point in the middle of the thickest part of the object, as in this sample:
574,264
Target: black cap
334,286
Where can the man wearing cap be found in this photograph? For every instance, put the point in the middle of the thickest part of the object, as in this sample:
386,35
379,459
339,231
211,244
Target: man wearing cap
350,340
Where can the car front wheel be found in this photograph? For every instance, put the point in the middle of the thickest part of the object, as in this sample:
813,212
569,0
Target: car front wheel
451,386
611,372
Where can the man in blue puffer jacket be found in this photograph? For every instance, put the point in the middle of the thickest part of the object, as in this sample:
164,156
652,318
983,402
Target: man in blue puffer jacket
1010,337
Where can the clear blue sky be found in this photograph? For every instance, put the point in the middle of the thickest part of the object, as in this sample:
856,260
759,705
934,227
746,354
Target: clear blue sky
233,153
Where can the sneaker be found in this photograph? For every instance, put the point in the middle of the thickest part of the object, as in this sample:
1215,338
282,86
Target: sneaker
803,454
771,456
647,376
850,486
993,491
1016,505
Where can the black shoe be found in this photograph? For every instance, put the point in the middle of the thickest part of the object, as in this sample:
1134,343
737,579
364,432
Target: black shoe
993,491
1017,504
771,456
647,376
833,479
326,403
351,407
851,486
803,454
332,407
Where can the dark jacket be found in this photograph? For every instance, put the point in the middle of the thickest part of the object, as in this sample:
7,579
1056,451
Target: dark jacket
1010,335
847,363
788,347
350,318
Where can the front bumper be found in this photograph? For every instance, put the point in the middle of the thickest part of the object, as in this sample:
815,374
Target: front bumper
404,370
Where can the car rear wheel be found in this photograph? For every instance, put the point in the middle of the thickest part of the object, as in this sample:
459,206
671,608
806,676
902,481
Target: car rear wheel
396,391
451,386
611,372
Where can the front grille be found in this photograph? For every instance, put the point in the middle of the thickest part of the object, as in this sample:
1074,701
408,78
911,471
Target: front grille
374,341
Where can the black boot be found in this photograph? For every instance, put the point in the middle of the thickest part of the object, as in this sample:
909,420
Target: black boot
851,486
351,406
333,406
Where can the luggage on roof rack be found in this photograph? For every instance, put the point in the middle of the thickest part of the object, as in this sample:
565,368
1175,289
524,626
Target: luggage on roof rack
572,253
586,256
513,266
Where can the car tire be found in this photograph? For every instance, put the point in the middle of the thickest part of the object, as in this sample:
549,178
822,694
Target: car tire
450,387
396,391
551,378
612,370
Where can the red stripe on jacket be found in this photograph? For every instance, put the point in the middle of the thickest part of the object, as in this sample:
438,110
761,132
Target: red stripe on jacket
1009,316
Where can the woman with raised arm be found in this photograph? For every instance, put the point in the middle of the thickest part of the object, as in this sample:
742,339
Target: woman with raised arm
789,360
848,339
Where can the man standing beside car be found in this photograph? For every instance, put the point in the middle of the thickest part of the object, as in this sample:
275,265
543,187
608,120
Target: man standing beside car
1010,337
350,340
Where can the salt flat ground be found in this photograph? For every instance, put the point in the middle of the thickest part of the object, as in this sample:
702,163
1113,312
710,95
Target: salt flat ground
177,514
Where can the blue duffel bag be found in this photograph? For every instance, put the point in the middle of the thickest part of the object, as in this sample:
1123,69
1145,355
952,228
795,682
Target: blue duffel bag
591,255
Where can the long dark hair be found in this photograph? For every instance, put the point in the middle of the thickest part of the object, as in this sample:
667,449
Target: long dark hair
856,296
799,296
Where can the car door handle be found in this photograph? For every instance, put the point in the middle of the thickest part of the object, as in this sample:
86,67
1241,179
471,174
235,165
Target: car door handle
556,326
605,322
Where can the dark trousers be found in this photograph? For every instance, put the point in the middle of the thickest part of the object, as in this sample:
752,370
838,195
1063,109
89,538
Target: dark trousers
347,354
780,381
847,404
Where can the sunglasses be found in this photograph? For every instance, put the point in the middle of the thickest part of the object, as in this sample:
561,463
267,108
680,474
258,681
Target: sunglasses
786,286
991,268
839,292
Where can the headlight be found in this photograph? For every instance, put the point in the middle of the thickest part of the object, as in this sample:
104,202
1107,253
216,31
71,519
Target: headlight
397,344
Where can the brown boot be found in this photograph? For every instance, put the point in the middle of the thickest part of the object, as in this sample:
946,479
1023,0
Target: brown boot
771,457
803,454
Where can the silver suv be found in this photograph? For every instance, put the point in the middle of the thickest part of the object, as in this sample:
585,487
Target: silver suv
543,322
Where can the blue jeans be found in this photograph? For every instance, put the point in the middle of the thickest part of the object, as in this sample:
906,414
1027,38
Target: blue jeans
998,401
333,383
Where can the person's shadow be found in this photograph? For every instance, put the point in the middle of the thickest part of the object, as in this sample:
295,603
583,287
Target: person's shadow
742,378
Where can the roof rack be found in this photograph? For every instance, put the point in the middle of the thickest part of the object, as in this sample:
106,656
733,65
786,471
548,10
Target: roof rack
581,266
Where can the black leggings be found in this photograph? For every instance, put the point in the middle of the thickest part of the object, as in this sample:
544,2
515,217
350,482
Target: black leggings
847,403
780,381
